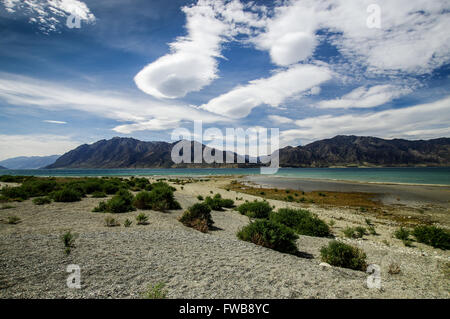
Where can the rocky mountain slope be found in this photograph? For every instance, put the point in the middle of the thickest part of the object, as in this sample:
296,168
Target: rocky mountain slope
337,151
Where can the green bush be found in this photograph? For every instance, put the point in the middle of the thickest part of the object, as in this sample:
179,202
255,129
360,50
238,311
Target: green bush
14,193
218,203
198,216
402,233
161,198
119,203
98,194
433,236
255,209
66,195
142,219
156,292
42,200
127,223
39,187
270,234
200,197
68,240
301,221
343,255
355,232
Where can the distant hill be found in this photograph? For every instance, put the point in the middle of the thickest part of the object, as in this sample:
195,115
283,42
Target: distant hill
1,167
367,151
32,162
337,151
124,153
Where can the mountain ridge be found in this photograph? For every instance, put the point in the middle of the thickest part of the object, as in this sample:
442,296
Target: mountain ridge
28,162
341,150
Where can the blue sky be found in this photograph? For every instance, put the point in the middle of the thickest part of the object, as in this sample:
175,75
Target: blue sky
313,69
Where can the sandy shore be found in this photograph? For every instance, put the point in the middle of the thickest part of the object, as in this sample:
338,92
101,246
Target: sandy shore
121,262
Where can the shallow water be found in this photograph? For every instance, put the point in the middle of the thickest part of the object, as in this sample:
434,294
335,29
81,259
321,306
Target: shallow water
438,175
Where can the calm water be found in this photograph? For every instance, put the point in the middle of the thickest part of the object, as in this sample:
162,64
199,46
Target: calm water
394,175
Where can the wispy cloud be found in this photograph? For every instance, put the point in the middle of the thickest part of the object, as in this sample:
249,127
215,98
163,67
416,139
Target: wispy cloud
54,122
272,91
428,120
364,97
148,114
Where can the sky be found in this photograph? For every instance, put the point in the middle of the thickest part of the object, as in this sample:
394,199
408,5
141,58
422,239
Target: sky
74,72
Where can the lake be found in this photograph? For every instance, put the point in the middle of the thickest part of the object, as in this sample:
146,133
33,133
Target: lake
435,175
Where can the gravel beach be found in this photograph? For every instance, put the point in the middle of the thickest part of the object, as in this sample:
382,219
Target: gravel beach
119,262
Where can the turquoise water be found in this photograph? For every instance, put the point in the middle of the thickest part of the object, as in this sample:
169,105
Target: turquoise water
438,175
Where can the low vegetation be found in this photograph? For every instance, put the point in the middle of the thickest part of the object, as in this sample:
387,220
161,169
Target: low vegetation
119,203
270,234
302,222
142,219
111,222
156,292
432,236
42,200
355,232
68,240
67,195
161,197
218,203
255,209
127,223
343,255
198,216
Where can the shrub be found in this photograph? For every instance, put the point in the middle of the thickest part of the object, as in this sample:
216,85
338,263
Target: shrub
156,292
127,223
302,222
161,198
101,208
42,200
354,232
200,197
39,187
198,216
270,234
68,239
111,187
255,209
66,195
343,255
142,219
218,203
13,220
394,269
15,193
402,233
433,236
98,194
119,203
111,222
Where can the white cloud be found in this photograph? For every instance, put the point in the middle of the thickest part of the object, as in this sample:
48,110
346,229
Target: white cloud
147,113
34,145
363,97
273,91
49,14
421,121
54,122
192,63
289,34
280,119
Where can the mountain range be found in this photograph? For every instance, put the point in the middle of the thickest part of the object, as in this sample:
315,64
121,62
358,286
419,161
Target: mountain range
28,162
341,150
